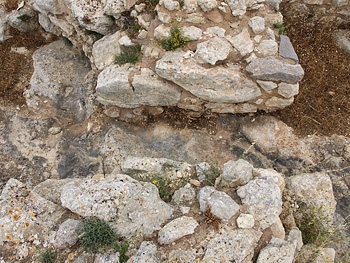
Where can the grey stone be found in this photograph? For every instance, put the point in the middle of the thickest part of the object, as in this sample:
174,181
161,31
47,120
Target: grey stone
107,258
67,234
184,194
24,19
48,26
286,49
277,229
220,203
271,68
245,221
230,108
325,255
215,30
288,90
267,48
207,5
212,50
63,76
201,169
48,6
267,85
279,179
217,84
278,103
134,207
171,5
257,24
278,250
242,42
295,235
237,173
162,31
314,190
177,229
105,50
263,199
182,255
192,33
232,246
342,38
146,253
238,8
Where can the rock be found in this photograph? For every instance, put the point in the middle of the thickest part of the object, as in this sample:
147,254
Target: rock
315,190
278,103
67,234
229,108
236,173
48,26
245,221
277,250
171,5
105,50
267,85
342,39
182,255
61,75
295,235
162,31
195,18
286,49
212,50
107,258
192,33
325,255
263,199
242,42
133,165
288,90
267,48
257,24
232,246
55,130
271,68
207,5
217,84
220,203
24,19
146,253
339,2
238,8
133,206
113,88
277,229
259,172
177,229
48,6
24,215
215,30
201,169
184,194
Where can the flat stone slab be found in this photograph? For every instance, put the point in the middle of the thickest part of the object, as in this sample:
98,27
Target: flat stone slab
286,49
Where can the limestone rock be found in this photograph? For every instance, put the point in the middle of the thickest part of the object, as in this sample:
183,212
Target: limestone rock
238,8
245,221
171,5
23,19
257,24
207,5
217,84
201,170
260,172
105,50
230,108
288,90
146,253
325,255
286,49
48,6
67,234
215,30
133,206
242,42
162,31
278,103
107,257
267,48
177,229
271,68
237,172
342,39
61,75
263,199
278,250
314,190
184,194
212,50
295,235
267,85
232,246
192,33
277,229
48,26
221,204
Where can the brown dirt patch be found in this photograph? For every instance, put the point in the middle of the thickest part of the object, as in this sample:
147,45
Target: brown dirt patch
323,105
16,69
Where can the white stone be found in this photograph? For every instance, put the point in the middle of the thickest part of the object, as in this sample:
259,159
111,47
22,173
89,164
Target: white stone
67,234
207,5
278,103
295,235
171,5
164,17
146,253
237,173
125,41
277,229
288,90
277,177
325,255
245,221
232,108
238,8
192,33
257,24
267,85
267,48
177,229
278,250
139,8
201,170
184,194
212,50
162,31
242,42
215,30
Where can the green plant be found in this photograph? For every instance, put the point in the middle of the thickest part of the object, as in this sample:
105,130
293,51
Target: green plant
95,234
122,249
176,39
47,257
129,54
211,174
281,28
182,3
163,184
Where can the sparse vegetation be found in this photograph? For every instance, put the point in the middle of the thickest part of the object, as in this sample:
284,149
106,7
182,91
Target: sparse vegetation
130,54
211,174
47,257
122,249
182,3
176,39
281,28
164,186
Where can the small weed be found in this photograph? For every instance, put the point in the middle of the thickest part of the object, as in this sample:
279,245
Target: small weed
122,249
211,174
129,54
212,219
176,40
182,3
96,234
281,28
47,257
164,187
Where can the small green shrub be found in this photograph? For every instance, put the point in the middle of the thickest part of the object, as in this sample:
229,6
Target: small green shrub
182,3
96,234
122,249
129,54
211,174
47,257
281,28
176,40
164,187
